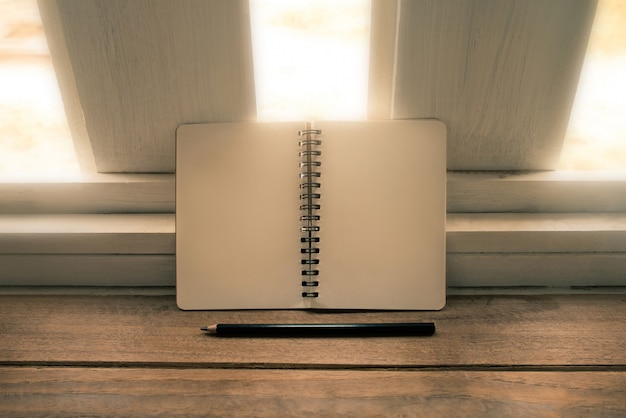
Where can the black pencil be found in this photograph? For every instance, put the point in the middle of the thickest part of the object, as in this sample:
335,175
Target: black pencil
392,329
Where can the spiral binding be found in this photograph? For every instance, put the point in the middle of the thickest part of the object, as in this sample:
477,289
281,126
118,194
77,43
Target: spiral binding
310,161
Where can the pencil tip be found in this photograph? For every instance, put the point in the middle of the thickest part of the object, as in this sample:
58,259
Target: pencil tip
211,329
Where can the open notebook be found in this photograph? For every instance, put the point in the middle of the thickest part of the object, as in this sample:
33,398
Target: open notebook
338,215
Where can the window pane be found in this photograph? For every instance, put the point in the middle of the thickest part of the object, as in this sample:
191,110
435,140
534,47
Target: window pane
596,138
35,141
310,58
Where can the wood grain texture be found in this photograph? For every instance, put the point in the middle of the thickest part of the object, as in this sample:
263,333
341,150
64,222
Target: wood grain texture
563,330
492,356
270,393
500,74
142,68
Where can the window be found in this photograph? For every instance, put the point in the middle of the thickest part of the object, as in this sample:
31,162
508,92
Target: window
596,138
310,59
35,141
499,74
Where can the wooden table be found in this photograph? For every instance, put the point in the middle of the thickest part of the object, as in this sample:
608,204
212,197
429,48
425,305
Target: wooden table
548,355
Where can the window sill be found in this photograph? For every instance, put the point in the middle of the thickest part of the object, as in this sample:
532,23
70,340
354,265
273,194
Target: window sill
537,192
503,229
506,249
99,193
468,192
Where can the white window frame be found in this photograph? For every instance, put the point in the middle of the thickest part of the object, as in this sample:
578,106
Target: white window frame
131,72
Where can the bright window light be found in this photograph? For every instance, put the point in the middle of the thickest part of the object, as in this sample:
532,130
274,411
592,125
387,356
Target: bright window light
35,141
596,137
311,58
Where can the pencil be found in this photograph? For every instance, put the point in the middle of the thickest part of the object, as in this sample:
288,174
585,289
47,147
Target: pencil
391,329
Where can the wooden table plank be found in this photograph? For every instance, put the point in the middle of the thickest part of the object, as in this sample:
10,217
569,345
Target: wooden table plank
567,330
28,391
